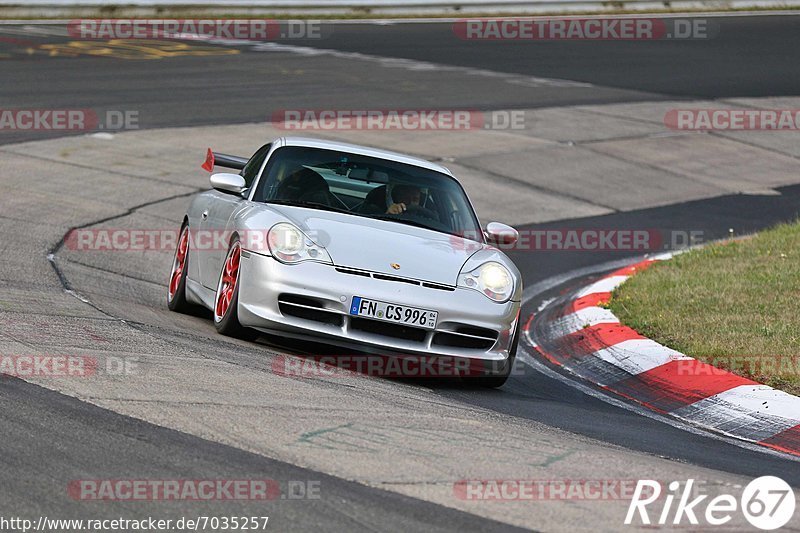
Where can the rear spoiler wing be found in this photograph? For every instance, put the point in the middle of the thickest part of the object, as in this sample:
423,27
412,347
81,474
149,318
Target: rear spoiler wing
223,160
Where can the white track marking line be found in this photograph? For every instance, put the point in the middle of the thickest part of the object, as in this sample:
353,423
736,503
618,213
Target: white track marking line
553,281
679,423
639,355
414,65
531,361
761,400
604,285
751,412
588,316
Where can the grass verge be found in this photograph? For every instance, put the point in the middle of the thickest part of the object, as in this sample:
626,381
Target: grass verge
735,305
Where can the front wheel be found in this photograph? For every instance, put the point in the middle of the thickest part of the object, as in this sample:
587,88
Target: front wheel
176,290
226,303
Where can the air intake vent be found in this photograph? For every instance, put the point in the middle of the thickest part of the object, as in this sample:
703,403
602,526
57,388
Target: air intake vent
438,286
353,272
387,330
388,277
466,337
308,309
395,278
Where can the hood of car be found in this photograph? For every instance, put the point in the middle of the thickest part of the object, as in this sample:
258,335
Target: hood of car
386,247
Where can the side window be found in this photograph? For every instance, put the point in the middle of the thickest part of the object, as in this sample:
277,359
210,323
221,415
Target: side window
250,170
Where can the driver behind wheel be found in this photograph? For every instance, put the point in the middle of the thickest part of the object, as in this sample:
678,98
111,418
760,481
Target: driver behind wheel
404,196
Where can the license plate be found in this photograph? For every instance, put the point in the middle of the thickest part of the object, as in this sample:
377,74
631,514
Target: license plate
399,314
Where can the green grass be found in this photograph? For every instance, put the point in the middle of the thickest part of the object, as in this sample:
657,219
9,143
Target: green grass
735,305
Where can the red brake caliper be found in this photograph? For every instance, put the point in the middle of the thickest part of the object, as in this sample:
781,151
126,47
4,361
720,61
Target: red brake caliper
230,275
180,263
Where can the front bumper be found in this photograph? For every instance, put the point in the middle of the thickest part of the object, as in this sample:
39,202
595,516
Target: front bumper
312,301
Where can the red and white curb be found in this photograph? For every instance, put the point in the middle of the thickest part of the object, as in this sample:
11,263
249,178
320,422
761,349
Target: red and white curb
579,335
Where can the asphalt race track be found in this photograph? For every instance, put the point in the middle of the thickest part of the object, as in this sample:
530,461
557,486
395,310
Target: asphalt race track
386,453
751,56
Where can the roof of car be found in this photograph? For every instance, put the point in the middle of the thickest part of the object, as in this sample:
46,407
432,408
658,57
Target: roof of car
365,150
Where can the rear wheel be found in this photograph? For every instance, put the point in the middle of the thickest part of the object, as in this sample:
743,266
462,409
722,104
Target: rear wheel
176,289
226,302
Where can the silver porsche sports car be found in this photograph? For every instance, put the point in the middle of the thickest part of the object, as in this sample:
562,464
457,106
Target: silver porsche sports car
350,246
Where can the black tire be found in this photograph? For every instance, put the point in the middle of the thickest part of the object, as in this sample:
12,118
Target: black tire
498,380
227,323
176,294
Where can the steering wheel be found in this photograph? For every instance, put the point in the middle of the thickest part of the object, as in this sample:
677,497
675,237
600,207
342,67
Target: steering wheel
321,196
422,212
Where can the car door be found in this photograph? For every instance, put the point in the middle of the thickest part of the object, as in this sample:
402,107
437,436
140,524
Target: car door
215,237
216,219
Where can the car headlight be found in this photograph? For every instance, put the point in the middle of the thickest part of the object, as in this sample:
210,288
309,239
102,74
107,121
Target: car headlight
290,245
492,279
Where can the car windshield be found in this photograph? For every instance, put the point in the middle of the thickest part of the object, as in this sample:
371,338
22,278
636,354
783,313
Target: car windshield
367,187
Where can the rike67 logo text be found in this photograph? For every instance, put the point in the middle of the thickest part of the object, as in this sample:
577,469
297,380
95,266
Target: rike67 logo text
767,503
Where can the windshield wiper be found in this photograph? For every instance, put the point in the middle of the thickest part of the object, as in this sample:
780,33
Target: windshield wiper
312,205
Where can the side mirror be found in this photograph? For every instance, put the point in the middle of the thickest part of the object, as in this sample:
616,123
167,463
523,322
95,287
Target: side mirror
501,234
232,183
